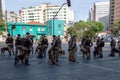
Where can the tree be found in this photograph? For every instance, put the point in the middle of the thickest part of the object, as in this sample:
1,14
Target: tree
93,28
116,28
82,28
1,24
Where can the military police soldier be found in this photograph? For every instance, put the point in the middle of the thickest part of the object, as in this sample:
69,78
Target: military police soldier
27,42
44,44
118,43
88,44
101,45
18,43
9,42
72,49
112,45
55,48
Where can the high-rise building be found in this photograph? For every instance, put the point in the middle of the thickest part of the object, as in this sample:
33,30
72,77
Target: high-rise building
114,12
2,7
100,12
46,12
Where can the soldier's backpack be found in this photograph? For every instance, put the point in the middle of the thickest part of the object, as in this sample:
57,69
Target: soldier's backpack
44,42
26,43
102,43
18,41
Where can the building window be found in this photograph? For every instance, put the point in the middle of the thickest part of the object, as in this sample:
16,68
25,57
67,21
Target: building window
30,29
59,32
38,29
43,30
59,25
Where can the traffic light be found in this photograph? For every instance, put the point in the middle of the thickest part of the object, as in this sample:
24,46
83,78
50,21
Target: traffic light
68,3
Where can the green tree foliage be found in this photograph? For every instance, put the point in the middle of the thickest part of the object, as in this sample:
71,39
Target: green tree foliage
116,27
1,20
82,28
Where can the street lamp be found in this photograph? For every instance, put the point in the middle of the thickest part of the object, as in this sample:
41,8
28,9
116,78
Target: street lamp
68,3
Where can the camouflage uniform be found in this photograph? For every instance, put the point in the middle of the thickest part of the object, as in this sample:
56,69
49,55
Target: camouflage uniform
18,45
27,42
55,48
9,42
118,44
88,44
112,45
72,49
101,45
44,45
59,43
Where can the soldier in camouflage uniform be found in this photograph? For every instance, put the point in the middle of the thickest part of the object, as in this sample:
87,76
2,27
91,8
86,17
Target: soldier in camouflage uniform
27,42
18,44
9,42
72,49
112,45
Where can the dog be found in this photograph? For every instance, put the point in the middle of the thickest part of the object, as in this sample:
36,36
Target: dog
72,56
51,59
85,51
3,50
62,52
8,48
117,51
18,58
96,52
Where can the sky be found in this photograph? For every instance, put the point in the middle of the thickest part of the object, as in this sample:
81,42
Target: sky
80,7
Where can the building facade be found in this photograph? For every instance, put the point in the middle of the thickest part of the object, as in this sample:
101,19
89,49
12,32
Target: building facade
37,29
57,28
11,16
21,28
111,20
46,12
100,12
114,12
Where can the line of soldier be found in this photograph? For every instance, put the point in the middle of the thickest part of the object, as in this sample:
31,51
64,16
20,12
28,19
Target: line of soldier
26,44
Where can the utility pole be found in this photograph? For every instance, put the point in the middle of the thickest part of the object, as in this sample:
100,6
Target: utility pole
69,4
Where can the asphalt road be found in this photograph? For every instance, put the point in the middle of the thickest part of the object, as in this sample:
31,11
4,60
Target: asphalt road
107,68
